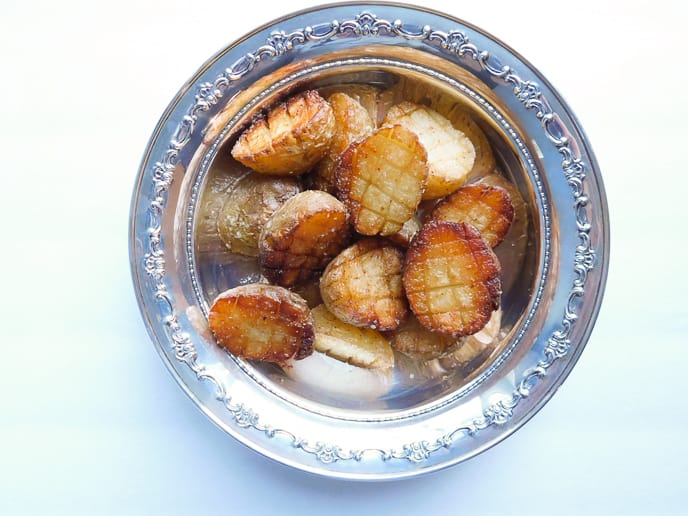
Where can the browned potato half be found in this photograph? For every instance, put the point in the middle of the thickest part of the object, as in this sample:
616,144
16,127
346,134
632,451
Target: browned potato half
381,180
293,137
362,285
404,236
247,208
450,152
487,208
302,236
416,341
451,278
361,347
262,322
352,124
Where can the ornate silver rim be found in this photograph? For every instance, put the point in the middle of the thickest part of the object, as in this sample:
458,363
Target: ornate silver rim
150,262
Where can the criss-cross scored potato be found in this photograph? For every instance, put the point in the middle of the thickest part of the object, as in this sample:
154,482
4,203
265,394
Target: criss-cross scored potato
290,139
262,322
362,286
247,208
362,347
416,341
487,208
451,278
381,180
450,153
302,236
352,123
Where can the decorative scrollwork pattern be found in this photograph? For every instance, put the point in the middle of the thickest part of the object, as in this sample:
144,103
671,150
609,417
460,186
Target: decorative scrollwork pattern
453,42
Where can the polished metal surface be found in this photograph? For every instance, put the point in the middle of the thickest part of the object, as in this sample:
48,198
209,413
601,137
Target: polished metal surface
549,309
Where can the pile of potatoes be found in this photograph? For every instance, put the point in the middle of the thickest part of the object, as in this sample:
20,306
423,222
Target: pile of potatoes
374,216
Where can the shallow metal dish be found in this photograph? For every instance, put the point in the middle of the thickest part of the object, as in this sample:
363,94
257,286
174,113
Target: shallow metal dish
549,309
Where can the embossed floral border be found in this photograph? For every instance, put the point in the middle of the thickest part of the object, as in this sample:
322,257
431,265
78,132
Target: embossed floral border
453,42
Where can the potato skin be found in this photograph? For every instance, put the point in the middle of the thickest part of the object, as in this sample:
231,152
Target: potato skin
352,124
290,139
247,208
381,180
302,236
487,208
262,322
451,278
362,286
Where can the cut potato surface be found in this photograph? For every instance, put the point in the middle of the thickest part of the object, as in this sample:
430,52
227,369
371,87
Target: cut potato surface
352,123
247,208
381,180
302,236
450,154
292,138
361,347
363,285
487,208
451,278
262,322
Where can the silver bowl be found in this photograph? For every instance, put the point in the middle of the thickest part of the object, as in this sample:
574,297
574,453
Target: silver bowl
550,303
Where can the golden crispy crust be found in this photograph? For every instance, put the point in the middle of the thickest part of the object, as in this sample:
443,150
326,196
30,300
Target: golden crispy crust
362,347
302,236
451,278
292,138
247,208
381,180
487,208
262,322
362,285
352,124
450,152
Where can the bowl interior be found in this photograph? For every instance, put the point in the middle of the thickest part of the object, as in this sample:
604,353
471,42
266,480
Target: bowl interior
414,383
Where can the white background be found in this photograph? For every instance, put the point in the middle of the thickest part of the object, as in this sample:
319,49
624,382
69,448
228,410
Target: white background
91,422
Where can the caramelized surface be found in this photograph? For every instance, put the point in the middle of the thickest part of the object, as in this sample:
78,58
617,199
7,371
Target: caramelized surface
451,278
262,322
381,180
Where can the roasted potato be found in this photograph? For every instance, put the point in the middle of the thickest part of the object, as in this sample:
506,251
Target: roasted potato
214,196
352,123
290,139
459,116
451,278
484,162
262,322
450,154
362,347
416,341
362,285
302,236
381,180
376,101
487,208
247,208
